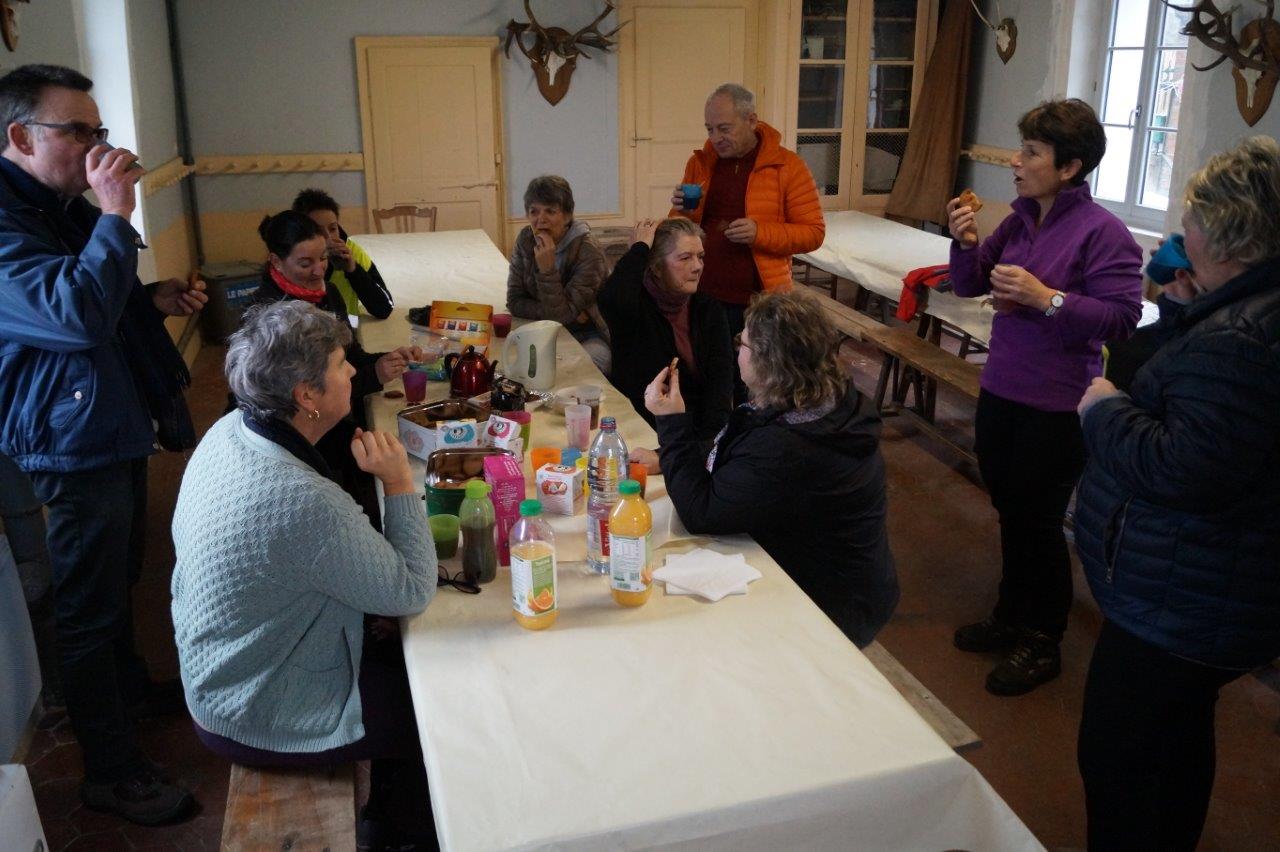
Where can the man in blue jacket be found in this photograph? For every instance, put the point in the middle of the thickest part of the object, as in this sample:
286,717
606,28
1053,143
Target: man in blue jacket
86,366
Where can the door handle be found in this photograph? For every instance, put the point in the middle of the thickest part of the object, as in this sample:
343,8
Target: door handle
635,139
470,185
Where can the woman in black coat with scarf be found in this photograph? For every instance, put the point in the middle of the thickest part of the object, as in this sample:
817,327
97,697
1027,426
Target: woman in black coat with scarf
656,314
297,260
798,468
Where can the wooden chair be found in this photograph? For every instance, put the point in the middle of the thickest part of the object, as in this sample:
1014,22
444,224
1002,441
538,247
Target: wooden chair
405,216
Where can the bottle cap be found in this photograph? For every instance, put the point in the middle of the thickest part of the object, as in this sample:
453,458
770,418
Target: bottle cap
530,508
628,486
608,424
477,488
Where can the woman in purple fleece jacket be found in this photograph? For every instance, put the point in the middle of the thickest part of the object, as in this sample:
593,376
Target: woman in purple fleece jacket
1066,276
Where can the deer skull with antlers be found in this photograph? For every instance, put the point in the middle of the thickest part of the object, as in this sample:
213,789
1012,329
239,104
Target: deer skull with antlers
1254,54
555,51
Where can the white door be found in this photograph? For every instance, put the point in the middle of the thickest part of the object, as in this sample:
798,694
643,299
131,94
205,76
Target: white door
682,51
432,132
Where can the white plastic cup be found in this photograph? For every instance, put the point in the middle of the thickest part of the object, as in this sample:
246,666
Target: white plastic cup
577,421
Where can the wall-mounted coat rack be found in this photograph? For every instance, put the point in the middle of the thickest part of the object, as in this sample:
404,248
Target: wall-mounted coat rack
262,164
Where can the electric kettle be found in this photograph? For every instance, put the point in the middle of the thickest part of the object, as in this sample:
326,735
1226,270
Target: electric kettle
530,354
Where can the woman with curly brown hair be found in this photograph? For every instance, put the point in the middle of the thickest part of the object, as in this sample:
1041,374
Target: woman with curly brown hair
798,467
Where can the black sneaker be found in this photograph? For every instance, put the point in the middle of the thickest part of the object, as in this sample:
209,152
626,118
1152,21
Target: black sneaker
987,636
146,799
1034,660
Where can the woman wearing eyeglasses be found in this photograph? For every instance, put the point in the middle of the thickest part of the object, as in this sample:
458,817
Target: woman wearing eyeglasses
798,468
656,315
277,565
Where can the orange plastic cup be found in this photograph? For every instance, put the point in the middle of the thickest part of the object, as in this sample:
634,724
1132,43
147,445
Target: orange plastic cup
638,472
539,456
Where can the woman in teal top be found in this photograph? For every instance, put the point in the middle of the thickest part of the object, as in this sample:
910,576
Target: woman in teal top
277,567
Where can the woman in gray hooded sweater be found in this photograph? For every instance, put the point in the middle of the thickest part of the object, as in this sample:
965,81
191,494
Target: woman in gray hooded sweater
557,268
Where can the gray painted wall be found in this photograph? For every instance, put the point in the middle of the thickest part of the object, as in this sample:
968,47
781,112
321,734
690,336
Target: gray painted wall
154,105
47,35
999,93
232,49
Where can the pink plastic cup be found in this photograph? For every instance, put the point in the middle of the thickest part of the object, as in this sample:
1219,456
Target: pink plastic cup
577,421
415,385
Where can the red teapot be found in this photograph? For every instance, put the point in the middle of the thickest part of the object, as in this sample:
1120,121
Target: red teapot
469,373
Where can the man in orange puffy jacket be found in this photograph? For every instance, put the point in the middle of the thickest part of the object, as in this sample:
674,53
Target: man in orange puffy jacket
759,203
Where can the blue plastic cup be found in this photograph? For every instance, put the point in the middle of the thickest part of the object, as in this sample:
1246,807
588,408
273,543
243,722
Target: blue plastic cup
692,195
1168,259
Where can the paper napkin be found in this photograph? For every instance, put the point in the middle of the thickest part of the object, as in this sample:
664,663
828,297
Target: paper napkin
706,573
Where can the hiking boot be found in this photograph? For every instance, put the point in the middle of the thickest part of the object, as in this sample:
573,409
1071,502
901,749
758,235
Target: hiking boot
987,636
1034,660
145,799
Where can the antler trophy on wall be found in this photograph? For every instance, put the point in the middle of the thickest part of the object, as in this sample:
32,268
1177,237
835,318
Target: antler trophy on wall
1254,54
555,51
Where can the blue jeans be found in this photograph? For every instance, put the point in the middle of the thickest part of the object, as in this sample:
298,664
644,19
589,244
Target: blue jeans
97,521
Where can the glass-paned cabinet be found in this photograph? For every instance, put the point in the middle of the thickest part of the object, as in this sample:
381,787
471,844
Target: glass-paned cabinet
859,65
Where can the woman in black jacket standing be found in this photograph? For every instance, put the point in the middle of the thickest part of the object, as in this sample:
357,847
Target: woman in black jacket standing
798,467
1178,516
655,314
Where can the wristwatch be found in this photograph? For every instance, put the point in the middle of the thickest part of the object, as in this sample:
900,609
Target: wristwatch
1056,301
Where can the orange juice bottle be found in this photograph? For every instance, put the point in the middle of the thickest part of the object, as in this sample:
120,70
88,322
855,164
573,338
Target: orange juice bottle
534,601
630,525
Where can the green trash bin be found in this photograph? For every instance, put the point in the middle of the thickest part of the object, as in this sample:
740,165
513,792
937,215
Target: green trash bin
229,287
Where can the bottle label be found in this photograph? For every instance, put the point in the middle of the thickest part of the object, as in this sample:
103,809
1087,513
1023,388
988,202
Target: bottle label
629,563
598,537
533,581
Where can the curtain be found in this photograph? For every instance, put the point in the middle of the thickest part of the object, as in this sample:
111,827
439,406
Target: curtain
927,177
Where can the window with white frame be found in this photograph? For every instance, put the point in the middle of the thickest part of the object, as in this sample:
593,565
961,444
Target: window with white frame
1139,101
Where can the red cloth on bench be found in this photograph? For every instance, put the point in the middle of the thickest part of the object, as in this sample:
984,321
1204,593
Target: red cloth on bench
925,276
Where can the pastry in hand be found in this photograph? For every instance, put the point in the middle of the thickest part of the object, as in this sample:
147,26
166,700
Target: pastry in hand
970,199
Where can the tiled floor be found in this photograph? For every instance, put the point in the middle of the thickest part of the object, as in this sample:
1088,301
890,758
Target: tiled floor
943,533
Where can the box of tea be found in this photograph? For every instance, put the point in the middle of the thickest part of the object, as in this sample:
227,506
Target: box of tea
506,483
559,488
504,434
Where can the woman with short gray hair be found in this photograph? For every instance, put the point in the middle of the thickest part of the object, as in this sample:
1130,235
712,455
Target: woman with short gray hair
557,268
277,567
1178,515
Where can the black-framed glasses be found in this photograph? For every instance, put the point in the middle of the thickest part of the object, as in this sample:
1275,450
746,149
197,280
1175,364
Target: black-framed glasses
82,132
738,344
459,581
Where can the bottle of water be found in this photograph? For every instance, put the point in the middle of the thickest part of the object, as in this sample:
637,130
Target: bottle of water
606,464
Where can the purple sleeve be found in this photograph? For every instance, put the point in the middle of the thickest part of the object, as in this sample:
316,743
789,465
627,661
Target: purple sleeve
1111,304
971,267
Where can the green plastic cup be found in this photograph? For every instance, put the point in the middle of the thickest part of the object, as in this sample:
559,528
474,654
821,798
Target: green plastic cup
444,532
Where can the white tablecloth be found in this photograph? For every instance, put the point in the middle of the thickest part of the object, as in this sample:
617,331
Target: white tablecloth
751,723
877,253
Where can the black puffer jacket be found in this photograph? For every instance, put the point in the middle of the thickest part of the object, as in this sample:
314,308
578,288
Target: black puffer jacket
1178,516
811,494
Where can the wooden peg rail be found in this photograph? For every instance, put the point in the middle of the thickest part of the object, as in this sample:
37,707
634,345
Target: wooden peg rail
262,164
165,176
988,154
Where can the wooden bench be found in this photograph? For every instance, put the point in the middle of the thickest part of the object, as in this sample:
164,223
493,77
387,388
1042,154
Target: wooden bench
293,809
946,724
911,362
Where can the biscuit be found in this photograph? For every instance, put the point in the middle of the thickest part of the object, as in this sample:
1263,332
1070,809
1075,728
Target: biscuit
970,199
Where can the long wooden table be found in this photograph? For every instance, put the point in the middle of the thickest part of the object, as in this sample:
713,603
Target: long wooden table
751,723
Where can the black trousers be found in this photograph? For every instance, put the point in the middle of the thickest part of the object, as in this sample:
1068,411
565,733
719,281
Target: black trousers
1030,461
97,529
736,315
1146,748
